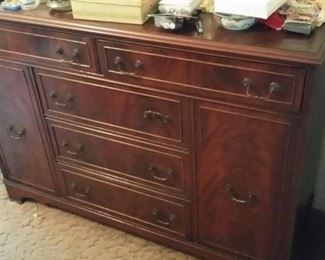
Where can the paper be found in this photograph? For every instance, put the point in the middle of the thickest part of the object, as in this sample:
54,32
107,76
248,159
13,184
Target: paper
252,8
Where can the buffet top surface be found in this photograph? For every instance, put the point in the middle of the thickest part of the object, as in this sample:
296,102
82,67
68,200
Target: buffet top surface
258,41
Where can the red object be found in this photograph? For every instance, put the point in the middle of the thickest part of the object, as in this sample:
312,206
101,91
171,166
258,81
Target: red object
275,21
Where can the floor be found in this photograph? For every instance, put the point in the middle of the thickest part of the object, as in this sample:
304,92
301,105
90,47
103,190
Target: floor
33,231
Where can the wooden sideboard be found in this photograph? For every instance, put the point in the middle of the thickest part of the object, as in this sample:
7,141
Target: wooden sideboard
194,141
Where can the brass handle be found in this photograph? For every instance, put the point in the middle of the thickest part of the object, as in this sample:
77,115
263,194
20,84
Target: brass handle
160,219
59,51
77,151
67,100
75,54
249,198
118,61
153,115
153,169
273,87
16,134
83,193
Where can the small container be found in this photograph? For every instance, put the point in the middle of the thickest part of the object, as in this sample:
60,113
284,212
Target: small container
11,5
29,4
59,5
168,22
236,22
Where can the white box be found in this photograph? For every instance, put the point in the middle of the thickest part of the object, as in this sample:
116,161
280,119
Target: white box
121,11
252,8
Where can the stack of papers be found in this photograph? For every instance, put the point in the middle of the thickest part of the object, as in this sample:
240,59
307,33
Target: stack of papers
252,8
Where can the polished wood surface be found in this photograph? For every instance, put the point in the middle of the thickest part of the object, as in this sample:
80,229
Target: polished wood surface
221,77
48,47
166,216
21,146
257,42
160,118
193,141
155,169
241,173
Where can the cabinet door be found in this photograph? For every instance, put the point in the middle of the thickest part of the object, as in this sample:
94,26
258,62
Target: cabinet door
21,145
242,160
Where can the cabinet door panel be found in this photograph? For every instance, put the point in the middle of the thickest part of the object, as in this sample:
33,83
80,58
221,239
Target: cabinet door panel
241,172
20,141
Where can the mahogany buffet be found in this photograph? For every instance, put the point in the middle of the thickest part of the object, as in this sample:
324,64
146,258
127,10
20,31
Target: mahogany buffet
197,142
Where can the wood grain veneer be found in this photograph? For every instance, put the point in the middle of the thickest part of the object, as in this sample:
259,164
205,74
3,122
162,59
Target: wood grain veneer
199,142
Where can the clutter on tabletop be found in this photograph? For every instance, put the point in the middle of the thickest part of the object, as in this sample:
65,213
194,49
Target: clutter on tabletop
234,15
59,5
179,7
303,16
11,5
29,4
300,16
275,21
176,14
252,8
207,6
236,22
122,11
15,5
314,9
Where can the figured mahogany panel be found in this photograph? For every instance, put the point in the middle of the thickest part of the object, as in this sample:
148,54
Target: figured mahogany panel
154,117
21,146
151,211
47,47
156,169
241,176
275,87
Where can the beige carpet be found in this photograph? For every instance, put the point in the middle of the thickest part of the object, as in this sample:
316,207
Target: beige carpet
36,232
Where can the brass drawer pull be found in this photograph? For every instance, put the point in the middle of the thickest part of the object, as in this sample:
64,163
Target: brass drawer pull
154,115
77,151
16,134
118,61
68,100
162,220
273,87
74,55
83,193
249,198
153,169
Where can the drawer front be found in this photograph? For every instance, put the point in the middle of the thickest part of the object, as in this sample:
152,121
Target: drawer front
47,47
156,169
149,116
151,211
242,169
270,86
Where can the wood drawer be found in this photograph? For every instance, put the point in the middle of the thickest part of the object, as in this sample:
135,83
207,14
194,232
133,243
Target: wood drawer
138,207
47,47
259,84
158,118
161,170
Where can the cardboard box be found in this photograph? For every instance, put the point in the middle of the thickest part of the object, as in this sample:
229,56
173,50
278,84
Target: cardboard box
252,8
123,11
